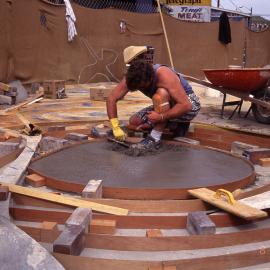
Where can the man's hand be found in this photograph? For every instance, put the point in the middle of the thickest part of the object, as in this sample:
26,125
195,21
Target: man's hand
154,117
118,133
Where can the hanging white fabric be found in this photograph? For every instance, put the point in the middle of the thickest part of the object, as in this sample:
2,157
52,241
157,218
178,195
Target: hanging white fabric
71,19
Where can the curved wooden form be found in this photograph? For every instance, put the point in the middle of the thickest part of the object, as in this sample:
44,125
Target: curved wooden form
143,206
256,256
4,160
231,247
136,193
144,193
164,243
123,222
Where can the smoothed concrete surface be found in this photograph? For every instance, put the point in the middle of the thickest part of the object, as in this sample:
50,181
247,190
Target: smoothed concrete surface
183,168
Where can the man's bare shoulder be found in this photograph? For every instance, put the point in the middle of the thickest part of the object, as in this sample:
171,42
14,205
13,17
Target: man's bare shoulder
165,74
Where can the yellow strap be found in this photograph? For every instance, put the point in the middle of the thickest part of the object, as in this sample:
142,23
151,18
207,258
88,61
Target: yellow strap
227,194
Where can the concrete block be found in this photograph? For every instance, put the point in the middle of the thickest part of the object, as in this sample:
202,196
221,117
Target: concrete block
153,233
100,131
238,148
76,137
200,223
12,92
4,191
21,91
80,217
186,140
5,100
102,226
264,162
56,128
8,147
93,189
34,87
101,92
254,155
49,143
35,180
71,241
49,231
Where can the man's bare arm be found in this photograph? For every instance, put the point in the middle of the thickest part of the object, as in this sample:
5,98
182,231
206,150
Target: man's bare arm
118,93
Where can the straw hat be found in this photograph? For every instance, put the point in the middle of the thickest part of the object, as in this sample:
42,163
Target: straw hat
132,52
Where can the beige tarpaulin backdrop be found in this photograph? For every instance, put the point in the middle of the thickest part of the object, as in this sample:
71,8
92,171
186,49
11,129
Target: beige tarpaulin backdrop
34,46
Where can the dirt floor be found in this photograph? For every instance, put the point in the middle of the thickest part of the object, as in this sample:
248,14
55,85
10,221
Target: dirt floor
211,113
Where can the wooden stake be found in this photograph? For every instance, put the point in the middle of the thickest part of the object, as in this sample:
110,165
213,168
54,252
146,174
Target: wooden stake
165,33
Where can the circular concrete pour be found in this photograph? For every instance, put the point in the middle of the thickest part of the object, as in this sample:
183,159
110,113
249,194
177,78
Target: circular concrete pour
187,168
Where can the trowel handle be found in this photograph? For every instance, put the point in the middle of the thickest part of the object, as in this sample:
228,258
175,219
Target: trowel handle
225,193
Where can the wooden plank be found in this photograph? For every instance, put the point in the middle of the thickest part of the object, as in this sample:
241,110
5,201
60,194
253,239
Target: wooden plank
24,120
164,206
259,201
16,107
66,200
10,133
238,208
34,101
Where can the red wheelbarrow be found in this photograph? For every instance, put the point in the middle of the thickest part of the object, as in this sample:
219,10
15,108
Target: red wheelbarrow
250,84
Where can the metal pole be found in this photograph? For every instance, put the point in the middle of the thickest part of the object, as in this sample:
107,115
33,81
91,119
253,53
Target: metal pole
218,3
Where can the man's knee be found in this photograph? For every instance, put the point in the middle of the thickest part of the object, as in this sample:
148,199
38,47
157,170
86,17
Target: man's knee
161,101
135,120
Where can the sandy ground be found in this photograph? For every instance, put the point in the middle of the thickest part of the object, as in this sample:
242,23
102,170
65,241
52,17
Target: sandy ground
79,107
211,113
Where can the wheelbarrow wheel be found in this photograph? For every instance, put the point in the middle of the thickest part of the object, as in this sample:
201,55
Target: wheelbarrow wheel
262,114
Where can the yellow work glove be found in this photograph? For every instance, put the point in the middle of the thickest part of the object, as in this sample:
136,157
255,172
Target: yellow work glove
118,133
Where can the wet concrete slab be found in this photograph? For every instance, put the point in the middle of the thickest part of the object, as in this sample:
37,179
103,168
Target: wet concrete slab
182,168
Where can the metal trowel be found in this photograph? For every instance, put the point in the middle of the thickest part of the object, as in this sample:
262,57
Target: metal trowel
110,139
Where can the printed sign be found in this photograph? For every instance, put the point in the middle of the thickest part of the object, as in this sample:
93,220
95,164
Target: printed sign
203,3
189,13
